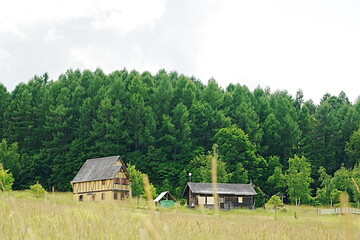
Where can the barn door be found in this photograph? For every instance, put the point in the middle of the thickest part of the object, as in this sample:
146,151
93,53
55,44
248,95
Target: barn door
226,203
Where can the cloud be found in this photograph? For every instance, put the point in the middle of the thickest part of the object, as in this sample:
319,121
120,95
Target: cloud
90,57
4,55
18,16
280,44
108,58
284,45
127,17
52,35
4,60
171,43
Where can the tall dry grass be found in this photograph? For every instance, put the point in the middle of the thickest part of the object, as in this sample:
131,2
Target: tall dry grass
214,159
346,218
58,217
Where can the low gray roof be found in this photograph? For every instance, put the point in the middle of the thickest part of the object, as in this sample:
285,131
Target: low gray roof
98,169
222,188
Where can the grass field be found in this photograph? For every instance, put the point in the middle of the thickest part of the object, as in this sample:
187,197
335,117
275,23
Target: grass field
58,217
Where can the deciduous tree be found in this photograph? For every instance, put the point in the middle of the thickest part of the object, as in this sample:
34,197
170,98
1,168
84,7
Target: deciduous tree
298,180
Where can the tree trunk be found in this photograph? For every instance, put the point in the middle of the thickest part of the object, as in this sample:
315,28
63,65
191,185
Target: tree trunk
275,213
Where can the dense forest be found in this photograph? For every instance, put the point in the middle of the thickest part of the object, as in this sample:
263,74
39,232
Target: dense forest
168,125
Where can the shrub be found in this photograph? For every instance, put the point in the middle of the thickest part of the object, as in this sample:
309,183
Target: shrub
283,210
275,201
37,190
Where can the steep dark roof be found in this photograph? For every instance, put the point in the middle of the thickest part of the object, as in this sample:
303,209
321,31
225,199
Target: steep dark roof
222,188
98,169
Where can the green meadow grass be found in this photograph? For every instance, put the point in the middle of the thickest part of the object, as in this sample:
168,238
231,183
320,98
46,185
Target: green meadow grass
57,216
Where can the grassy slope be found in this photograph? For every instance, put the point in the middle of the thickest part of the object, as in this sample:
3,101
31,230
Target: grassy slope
58,217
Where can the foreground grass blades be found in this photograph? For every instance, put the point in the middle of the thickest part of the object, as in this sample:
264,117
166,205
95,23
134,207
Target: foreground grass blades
56,216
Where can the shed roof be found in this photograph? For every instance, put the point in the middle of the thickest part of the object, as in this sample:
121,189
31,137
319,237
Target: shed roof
163,194
222,188
99,169
279,194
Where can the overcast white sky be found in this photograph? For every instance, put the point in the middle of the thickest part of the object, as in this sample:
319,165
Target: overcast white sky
291,45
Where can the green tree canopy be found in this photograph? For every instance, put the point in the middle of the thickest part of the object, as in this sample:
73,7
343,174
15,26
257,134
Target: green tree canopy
298,180
353,149
6,179
161,122
235,147
137,183
201,168
10,158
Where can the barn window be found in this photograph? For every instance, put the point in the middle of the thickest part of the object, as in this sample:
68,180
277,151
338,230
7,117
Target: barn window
103,182
210,200
122,196
117,180
93,197
240,199
201,200
81,198
102,196
124,181
115,196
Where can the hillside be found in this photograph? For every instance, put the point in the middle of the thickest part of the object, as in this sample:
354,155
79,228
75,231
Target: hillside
165,124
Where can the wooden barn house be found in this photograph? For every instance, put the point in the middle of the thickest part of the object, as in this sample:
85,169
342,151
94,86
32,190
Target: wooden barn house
102,180
230,195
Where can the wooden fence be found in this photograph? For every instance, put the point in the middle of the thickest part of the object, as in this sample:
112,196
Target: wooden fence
339,211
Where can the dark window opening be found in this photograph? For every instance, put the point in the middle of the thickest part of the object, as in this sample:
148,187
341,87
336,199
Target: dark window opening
81,198
115,196
124,181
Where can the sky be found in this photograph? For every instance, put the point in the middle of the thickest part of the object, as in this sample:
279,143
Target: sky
282,44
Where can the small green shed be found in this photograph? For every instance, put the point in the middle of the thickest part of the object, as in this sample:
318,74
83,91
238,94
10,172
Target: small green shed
167,203
165,200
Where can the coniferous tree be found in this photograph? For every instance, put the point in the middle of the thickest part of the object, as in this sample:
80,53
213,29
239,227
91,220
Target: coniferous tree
19,118
162,122
353,149
4,100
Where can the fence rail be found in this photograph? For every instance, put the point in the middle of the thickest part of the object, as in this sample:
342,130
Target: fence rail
339,211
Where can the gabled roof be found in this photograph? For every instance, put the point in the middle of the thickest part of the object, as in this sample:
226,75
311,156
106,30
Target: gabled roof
279,194
222,188
163,194
99,169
